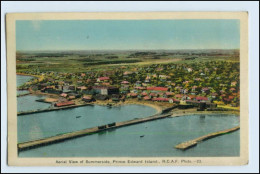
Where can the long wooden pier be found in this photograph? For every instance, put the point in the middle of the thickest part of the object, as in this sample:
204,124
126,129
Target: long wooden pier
194,142
89,131
52,109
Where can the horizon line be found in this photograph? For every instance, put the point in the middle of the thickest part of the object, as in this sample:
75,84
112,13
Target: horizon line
138,49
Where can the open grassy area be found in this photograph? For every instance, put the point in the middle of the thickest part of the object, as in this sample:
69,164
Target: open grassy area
81,61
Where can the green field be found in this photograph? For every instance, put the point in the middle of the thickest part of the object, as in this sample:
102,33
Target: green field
82,61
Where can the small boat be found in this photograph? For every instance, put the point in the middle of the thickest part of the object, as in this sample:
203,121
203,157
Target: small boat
78,116
141,136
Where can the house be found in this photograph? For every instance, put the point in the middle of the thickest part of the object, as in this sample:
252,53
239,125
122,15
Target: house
106,90
231,97
88,99
72,97
233,83
232,89
189,69
169,94
153,94
205,90
147,98
161,99
125,83
194,88
64,95
81,88
132,95
191,97
175,100
138,83
134,91
144,94
227,100
184,91
126,73
105,84
147,80
163,76
178,88
197,79
179,96
83,74
102,79
140,88
214,95
201,99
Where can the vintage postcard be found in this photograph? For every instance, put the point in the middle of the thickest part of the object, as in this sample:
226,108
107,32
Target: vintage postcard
127,89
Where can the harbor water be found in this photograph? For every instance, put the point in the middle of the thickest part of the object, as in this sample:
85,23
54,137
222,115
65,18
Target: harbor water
150,139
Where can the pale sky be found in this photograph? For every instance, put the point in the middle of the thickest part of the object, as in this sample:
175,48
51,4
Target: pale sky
127,34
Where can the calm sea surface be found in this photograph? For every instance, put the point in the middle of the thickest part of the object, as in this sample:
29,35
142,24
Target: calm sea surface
159,137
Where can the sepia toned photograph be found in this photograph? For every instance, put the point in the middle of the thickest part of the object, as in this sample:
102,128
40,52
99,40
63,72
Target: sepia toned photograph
127,88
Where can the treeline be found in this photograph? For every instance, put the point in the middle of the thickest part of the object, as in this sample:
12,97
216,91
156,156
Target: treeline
111,62
26,59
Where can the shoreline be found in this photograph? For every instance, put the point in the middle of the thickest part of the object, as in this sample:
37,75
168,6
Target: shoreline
190,112
23,74
129,102
158,106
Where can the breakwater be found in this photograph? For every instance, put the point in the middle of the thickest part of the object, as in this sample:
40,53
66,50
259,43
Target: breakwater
194,142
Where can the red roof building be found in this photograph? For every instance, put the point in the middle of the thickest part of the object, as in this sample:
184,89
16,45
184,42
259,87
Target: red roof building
103,78
67,103
147,98
178,96
143,94
64,95
161,99
200,98
191,97
153,94
232,89
157,89
231,97
132,94
169,93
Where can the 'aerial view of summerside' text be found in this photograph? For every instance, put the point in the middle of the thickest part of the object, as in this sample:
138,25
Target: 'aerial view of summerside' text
128,88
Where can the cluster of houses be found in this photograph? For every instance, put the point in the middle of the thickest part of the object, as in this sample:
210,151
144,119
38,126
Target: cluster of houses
212,81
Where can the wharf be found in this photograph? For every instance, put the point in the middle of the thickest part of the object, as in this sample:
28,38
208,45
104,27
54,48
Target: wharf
20,95
52,109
